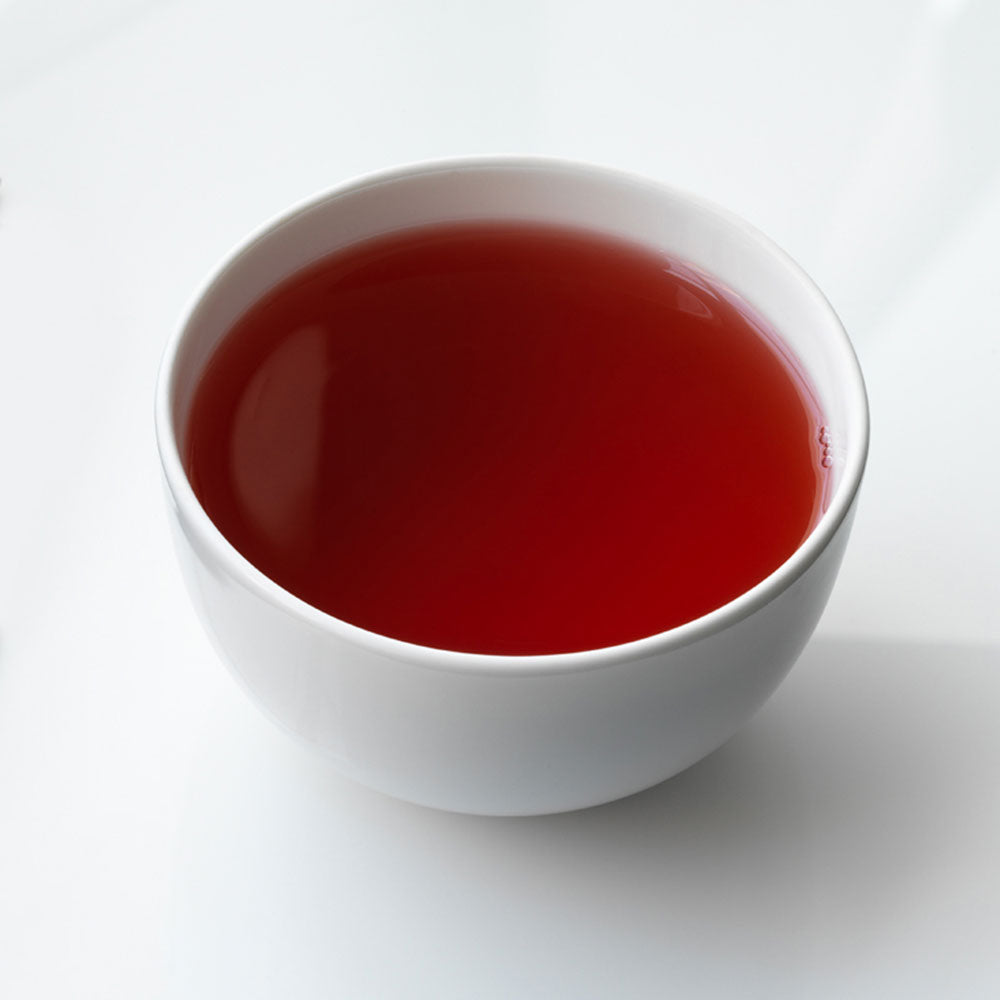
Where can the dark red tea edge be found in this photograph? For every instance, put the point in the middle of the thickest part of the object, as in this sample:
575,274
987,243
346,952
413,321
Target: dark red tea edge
800,378
707,282
767,332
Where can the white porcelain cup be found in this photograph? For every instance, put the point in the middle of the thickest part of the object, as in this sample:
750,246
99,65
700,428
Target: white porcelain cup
514,734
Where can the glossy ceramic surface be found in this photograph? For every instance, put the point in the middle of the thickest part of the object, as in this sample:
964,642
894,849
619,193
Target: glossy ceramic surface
534,734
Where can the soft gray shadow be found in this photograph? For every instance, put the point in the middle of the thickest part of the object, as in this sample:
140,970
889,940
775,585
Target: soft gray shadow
811,836
930,161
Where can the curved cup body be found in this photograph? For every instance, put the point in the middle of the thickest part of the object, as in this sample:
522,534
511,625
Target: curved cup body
514,735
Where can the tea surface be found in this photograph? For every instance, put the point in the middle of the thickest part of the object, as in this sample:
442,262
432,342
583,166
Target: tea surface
504,438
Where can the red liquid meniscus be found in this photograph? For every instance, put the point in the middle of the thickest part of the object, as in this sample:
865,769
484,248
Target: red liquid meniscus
506,438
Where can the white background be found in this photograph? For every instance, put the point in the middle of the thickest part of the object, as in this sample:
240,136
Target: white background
159,839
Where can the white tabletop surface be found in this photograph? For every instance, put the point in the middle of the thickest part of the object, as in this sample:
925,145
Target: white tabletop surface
159,839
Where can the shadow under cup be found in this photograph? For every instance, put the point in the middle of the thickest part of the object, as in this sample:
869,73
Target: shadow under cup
526,734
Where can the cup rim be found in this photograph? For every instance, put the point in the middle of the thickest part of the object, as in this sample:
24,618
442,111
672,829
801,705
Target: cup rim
196,521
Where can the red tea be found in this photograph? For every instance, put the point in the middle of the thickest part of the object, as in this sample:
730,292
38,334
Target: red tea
504,438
